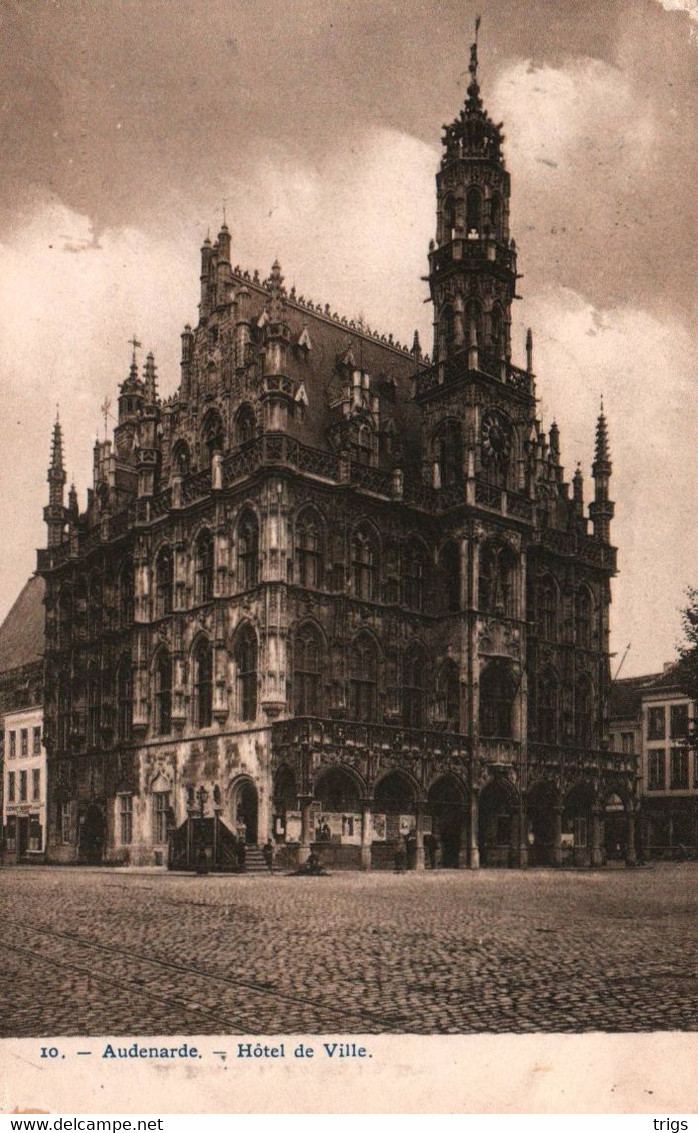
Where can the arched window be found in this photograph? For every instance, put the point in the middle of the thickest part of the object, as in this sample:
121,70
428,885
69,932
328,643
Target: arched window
583,712
414,576
497,584
162,675
547,708
582,618
363,679
246,665
126,594
496,215
449,578
203,683
448,455
247,551
546,608
473,322
124,698
94,606
164,570
362,447
245,425
497,694
413,686
309,550
448,330
212,436
473,209
497,331
94,706
449,218
307,667
203,566
364,562
448,689
181,461
65,618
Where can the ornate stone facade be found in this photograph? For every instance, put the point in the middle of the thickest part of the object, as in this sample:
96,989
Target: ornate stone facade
335,590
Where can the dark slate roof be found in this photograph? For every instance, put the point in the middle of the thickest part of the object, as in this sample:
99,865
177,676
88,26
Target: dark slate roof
626,695
672,679
22,632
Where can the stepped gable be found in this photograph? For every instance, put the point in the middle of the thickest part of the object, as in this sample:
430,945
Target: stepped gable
391,369
22,632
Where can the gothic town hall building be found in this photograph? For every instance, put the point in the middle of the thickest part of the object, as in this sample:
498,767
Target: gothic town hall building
334,592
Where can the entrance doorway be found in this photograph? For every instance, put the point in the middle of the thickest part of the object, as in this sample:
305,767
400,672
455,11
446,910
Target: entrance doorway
22,837
92,837
445,805
246,811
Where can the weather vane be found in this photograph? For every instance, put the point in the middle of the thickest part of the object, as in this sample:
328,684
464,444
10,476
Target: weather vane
135,344
104,408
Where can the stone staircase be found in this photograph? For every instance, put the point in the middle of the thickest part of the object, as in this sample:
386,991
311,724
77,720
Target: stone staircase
254,860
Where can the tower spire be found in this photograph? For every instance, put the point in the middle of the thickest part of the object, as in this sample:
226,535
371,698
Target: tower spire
54,513
602,508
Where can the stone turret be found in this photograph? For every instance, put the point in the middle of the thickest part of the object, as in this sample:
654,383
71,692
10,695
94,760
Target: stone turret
54,513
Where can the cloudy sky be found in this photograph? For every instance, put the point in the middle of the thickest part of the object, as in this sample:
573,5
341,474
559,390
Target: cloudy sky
126,123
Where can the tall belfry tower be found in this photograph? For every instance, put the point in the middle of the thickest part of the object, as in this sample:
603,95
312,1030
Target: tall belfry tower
472,264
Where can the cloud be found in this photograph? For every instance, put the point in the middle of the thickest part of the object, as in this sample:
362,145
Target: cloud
689,6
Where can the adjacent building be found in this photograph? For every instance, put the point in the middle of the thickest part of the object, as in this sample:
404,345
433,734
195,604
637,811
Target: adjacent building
21,717
334,590
653,716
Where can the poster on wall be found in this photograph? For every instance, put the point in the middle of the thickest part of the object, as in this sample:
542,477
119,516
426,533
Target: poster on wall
379,827
293,826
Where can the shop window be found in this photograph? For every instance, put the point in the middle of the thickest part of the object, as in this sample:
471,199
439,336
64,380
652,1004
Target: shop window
11,833
34,832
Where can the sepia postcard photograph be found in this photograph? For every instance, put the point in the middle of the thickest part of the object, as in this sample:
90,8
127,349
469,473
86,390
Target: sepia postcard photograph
349,584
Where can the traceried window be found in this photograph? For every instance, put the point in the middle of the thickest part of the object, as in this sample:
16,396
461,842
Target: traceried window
247,551
546,608
415,565
307,667
95,606
473,209
65,618
547,707
363,679
161,806
309,550
497,696
212,436
413,687
448,455
245,425
364,562
126,594
204,566
203,683
497,584
449,578
94,706
582,618
126,819
124,698
449,214
656,769
164,575
583,712
181,461
162,675
448,691
448,330
246,665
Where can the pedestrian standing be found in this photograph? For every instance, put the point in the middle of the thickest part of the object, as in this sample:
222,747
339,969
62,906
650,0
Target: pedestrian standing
241,854
268,852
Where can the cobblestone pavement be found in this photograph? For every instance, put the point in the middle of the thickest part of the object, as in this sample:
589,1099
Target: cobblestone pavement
117,952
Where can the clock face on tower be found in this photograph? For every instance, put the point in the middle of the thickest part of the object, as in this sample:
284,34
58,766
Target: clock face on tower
496,436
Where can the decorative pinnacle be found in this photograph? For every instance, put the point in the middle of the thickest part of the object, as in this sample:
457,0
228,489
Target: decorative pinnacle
149,380
602,454
57,446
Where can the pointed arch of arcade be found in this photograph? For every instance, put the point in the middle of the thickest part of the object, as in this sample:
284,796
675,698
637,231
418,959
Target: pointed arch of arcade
446,804
309,652
543,802
243,807
340,788
309,547
212,436
285,788
245,424
499,813
394,788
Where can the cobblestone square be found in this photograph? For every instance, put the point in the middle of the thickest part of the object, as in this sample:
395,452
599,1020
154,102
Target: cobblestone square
117,952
